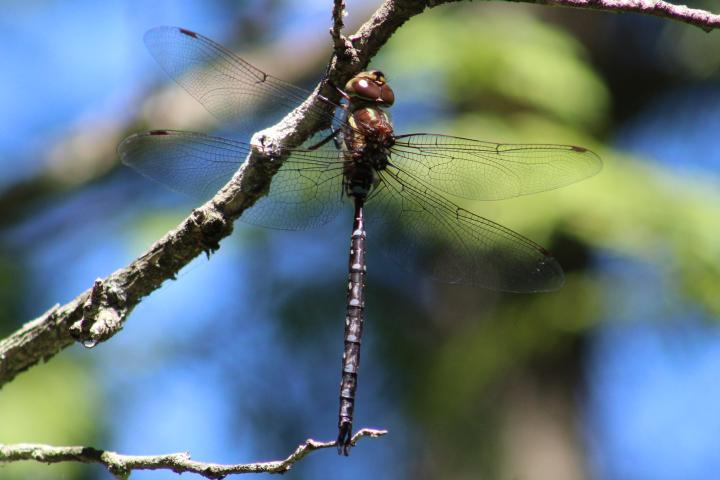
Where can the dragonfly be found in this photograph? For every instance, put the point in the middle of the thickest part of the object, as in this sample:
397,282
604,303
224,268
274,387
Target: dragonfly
407,186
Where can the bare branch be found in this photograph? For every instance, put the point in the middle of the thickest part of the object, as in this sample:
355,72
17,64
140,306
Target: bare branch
659,8
122,465
338,13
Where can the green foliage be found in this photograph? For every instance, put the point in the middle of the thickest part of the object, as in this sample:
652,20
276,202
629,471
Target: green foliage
460,402
11,281
55,404
502,57
522,80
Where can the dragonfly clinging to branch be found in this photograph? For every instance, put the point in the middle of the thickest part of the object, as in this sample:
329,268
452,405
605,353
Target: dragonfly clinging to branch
400,183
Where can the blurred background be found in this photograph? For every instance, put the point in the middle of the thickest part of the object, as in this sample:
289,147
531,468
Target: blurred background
615,376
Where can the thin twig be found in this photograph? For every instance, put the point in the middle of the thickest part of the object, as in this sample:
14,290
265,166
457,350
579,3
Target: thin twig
343,46
338,15
122,465
659,8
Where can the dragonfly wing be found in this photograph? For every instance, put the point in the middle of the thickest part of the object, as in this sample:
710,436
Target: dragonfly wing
305,192
491,171
191,163
422,229
226,85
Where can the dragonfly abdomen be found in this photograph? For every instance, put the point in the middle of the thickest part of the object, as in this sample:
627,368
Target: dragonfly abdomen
353,328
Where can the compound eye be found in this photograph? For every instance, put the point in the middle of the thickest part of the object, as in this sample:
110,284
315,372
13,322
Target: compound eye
387,96
366,88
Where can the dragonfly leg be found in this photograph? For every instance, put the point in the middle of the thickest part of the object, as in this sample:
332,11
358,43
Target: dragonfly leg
333,131
333,134
327,81
339,90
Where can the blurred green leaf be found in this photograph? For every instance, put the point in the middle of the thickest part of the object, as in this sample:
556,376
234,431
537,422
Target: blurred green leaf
503,59
56,404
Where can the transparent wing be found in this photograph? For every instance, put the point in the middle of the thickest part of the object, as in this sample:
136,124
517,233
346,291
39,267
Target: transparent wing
491,171
421,229
226,85
194,164
305,192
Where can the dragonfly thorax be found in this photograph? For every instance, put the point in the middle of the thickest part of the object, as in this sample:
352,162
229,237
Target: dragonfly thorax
371,129
367,142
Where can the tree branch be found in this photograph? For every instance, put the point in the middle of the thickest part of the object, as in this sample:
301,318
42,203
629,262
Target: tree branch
122,465
659,8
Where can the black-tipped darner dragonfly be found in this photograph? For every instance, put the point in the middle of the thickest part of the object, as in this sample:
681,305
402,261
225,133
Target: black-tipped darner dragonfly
403,180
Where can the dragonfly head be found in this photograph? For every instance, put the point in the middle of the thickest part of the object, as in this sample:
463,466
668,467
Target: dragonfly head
370,87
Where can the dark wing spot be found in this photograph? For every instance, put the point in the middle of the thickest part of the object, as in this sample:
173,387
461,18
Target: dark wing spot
189,33
578,149
159,132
